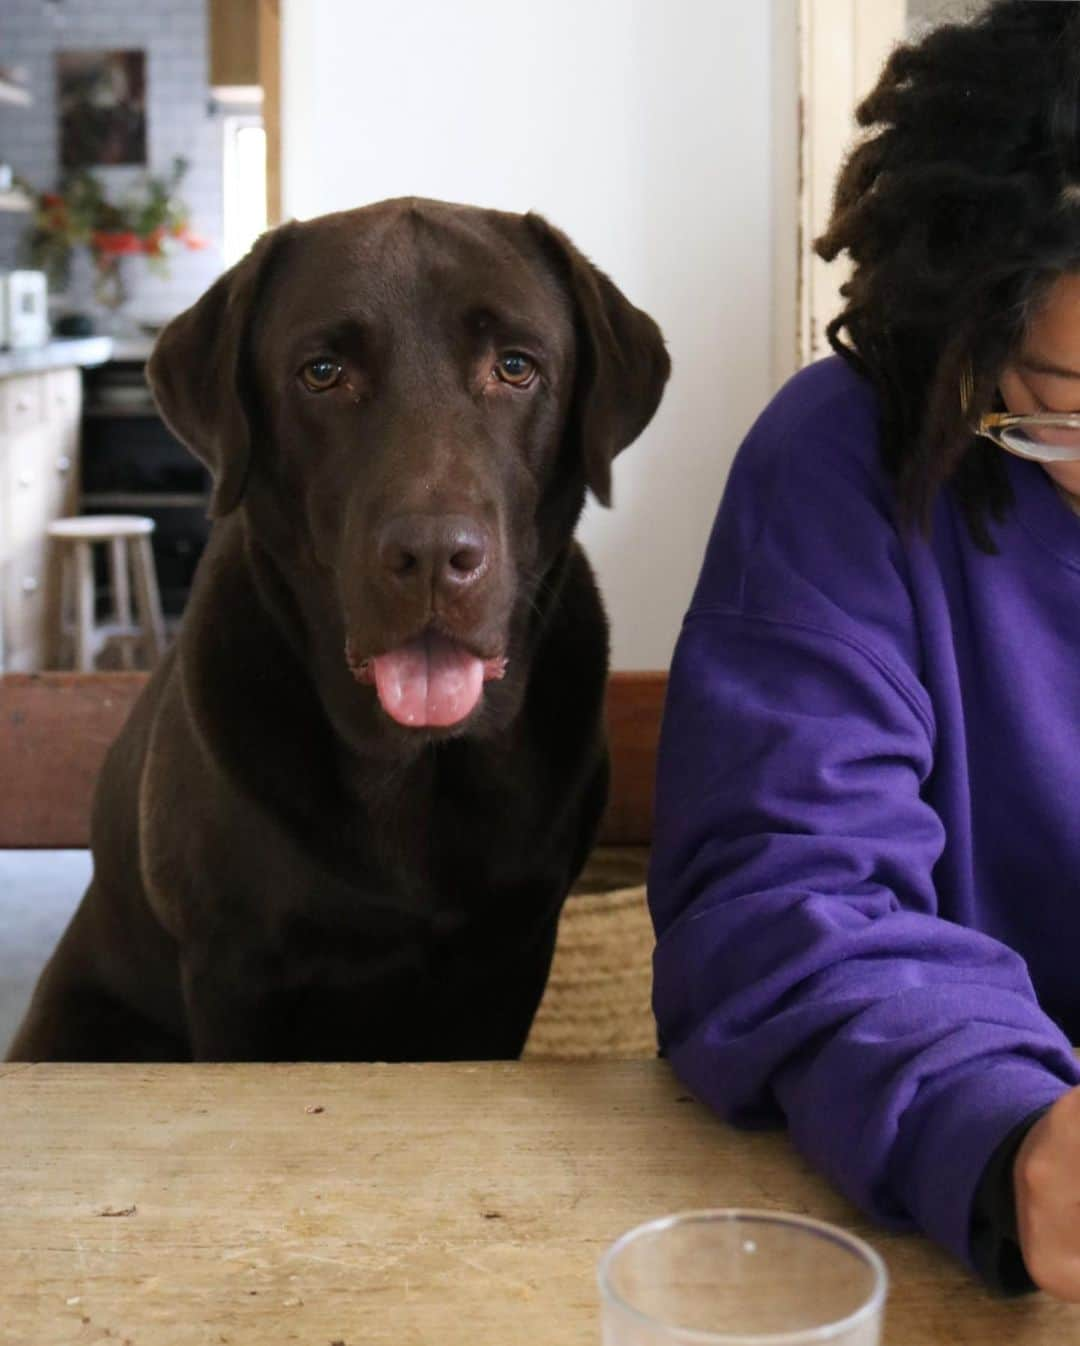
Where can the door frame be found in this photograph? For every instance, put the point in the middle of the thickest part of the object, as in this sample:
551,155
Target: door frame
270,79
842,46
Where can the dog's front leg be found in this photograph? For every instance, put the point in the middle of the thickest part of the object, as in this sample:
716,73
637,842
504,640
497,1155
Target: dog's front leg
232,1011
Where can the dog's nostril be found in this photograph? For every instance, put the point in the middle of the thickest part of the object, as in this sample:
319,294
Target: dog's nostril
397,559
468,559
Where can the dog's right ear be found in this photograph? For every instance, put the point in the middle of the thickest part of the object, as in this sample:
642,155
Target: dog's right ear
196,373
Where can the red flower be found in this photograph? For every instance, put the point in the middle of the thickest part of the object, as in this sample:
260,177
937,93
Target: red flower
113,244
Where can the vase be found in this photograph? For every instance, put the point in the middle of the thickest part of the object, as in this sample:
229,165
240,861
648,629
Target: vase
112,284
102,292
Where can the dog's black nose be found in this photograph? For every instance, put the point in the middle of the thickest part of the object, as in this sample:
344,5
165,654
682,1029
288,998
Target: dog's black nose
446,552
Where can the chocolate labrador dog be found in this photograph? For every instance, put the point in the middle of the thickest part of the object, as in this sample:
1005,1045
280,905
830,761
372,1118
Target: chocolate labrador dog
344,814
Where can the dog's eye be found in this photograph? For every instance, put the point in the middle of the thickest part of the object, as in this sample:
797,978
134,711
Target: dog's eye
515,368
321,374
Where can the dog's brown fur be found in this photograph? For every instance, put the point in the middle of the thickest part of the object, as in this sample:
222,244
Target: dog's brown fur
281,871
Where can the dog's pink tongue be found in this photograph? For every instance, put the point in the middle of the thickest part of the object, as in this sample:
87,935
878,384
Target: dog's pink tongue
431,681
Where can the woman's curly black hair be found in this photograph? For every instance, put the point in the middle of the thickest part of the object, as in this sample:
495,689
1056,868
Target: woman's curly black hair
958,208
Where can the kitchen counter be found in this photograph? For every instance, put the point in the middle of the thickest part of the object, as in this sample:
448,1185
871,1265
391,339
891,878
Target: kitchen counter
59,354
132,348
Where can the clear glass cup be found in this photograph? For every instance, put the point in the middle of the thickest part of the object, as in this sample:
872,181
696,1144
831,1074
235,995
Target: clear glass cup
741,1278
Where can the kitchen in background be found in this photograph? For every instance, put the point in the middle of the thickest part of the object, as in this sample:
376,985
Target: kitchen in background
131,161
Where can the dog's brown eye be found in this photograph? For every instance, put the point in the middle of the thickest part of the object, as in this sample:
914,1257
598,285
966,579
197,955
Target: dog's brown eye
515,368
321,374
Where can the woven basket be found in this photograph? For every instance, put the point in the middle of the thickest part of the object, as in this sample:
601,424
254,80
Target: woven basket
598,998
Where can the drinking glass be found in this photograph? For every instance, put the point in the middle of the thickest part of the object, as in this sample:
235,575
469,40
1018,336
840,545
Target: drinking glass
741,1278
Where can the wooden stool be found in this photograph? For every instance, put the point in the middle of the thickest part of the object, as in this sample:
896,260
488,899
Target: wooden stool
128,539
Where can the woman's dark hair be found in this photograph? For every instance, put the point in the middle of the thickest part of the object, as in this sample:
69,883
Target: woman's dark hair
958,209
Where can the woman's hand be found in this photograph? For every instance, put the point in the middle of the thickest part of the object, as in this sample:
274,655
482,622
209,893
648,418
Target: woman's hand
1046,1180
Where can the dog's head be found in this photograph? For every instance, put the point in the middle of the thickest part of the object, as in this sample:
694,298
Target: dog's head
410,400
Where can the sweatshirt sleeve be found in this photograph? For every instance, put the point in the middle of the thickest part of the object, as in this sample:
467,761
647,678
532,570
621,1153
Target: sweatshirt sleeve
802,969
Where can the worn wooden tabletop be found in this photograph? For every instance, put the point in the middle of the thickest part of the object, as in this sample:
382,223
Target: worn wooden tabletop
162,1206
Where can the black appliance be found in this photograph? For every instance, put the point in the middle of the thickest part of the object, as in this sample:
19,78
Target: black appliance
132,464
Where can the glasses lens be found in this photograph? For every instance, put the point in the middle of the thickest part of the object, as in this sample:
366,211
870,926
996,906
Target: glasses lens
1044,439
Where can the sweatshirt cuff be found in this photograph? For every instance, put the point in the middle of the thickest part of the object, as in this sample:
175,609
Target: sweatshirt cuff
960,1132
995,1242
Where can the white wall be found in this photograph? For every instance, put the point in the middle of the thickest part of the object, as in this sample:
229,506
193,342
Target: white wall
643,128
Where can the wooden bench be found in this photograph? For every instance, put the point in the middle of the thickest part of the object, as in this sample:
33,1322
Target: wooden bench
55,729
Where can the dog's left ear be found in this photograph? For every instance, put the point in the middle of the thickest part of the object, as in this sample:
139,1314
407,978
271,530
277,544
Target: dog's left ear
623,363
197,373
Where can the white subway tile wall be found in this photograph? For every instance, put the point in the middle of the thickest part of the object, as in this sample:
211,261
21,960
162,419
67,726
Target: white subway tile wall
173,33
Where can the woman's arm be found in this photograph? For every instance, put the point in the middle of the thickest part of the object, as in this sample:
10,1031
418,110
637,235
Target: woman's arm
802,968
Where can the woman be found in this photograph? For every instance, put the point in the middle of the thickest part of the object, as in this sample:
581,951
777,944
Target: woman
866,877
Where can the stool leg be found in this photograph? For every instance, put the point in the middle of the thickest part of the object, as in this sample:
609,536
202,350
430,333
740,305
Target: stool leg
121,595
65,615
84,603
149,600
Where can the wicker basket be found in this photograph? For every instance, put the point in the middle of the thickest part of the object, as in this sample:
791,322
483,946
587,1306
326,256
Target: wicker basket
598,998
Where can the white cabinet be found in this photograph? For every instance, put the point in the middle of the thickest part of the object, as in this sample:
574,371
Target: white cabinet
39,454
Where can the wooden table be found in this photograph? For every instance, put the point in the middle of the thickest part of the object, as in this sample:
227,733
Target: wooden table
444,1205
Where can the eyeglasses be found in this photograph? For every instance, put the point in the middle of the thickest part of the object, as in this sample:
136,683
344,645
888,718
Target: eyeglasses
1044,437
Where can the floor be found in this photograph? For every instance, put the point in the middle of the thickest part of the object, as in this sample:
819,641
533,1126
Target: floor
39,891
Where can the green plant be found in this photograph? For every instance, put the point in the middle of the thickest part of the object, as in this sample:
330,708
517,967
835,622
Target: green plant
152,220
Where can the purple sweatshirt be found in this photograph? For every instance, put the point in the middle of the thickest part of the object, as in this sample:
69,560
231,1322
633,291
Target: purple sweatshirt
866,868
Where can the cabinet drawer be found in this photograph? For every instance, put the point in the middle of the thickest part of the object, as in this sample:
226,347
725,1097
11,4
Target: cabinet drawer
26,594
63,396
61,473
51,461
31,467
40,484
22,402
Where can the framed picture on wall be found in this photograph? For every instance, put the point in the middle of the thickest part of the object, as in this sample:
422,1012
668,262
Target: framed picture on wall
102,101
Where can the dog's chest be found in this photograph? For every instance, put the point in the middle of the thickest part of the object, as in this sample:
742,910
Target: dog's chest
457,822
